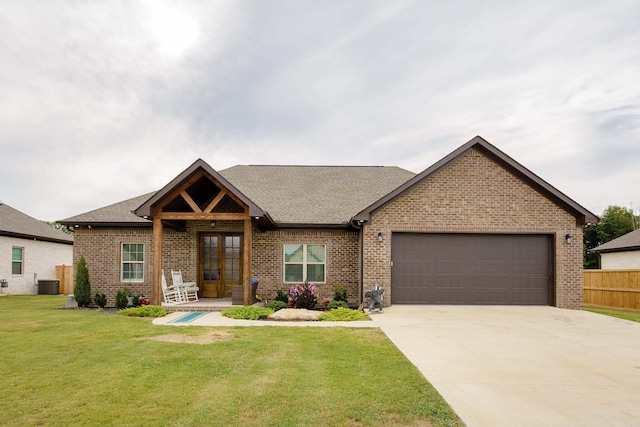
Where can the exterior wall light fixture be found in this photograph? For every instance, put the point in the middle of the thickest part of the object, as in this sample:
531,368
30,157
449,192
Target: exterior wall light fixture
380,236
567,238
213,224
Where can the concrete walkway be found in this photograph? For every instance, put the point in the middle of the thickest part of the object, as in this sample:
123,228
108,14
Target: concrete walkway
217,319
524,366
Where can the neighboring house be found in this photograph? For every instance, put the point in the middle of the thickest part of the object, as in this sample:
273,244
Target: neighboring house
475,228
622,253
29,251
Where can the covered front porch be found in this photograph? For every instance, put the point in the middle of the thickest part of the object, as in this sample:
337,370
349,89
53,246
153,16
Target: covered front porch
203,226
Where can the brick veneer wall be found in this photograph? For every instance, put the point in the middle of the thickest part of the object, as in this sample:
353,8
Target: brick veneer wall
476,194
342,261
101,248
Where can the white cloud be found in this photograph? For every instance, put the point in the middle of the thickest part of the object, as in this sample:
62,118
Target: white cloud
118,98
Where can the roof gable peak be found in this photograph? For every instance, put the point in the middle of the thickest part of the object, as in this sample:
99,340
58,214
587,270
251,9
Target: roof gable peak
198,167
582,215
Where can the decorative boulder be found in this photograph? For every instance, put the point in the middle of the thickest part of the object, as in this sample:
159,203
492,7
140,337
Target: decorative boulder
295,314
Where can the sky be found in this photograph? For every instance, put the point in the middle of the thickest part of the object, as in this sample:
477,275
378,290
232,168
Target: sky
101,101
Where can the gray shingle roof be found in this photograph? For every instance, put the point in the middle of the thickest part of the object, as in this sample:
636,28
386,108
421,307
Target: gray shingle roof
323,195
17,224
315,194
629,241
121,212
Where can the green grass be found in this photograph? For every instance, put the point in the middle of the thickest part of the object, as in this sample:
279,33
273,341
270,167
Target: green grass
83,367
614,312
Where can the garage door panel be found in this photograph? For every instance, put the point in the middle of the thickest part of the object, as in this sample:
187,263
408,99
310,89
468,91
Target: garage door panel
471,269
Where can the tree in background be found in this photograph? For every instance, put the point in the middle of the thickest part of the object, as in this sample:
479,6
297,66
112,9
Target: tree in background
82,288
58,226
590,259
615,221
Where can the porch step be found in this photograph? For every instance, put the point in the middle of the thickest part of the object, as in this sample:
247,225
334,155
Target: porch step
204,304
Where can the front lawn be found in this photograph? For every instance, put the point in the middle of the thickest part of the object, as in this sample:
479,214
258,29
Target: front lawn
83,367
614,312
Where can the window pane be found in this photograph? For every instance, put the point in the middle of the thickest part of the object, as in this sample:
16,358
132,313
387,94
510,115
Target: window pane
132,261
16,254
293,273
315,272
315,253
132,272
16,268
293,253
16,260
126,272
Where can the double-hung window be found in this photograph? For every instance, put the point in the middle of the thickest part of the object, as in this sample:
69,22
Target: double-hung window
17,261
304,262
132,262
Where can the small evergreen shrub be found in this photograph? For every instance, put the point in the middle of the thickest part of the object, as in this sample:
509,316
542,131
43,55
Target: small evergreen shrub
340,294
282,296
337,304
82,286
343,314
247,312
100,300
135,302
122,298
304,295
145,311
277,305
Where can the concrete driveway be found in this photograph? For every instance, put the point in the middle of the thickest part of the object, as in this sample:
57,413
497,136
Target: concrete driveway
523,366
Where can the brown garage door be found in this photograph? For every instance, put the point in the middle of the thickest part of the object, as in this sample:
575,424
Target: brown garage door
471,269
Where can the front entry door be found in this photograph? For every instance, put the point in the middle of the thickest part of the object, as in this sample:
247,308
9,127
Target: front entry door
220,264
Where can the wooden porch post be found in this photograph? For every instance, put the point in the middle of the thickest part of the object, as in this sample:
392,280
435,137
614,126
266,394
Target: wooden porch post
157,261
246,261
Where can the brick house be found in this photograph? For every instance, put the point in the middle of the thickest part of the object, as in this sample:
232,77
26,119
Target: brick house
477,227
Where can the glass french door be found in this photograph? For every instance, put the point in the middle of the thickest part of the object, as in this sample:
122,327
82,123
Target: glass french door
220,264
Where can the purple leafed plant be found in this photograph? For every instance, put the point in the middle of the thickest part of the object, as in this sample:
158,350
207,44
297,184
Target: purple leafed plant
304,295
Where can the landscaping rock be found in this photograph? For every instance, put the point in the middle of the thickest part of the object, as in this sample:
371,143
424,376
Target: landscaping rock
295,314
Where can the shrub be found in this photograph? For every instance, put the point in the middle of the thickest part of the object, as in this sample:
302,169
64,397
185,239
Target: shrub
82,286
282,296
134,301
145,311
247,312
277,305
337,304
122,298
100,300
340,294
343,314
304,295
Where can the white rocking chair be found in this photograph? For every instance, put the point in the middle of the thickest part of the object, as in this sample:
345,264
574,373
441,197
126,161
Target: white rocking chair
171,294
189,290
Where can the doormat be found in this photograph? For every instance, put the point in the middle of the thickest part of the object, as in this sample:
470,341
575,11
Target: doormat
189,317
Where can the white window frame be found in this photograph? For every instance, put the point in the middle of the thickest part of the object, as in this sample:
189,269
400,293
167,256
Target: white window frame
305,262
123,262
21,261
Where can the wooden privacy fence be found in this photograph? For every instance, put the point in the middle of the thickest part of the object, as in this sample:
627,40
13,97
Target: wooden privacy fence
64,273
612,288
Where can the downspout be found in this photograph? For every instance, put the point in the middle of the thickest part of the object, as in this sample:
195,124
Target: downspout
359,225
